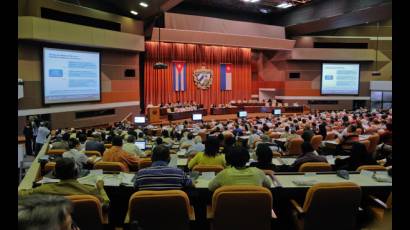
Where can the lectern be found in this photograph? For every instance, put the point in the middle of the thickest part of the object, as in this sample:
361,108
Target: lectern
153,114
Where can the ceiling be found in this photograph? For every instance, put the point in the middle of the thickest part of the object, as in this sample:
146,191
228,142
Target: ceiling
303,18
233,9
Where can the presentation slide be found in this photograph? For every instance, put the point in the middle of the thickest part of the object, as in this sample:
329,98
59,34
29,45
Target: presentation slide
70,76
139,120
340,78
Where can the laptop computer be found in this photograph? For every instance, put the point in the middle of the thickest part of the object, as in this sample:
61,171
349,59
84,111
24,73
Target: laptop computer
140,144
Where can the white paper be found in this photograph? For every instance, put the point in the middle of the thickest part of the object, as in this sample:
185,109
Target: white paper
96,172
112,180
182,161
208,175
126,178
90,179
302,180
47,180
310,174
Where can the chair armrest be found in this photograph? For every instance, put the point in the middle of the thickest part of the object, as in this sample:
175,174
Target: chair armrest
191,213
378,202
297,207
127,218
209,212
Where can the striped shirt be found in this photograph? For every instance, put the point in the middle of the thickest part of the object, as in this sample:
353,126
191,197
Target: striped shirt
161,177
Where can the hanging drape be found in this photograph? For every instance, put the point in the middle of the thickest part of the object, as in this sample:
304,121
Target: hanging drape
158,83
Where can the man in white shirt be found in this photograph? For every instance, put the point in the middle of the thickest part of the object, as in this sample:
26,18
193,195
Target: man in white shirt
42,134
131,148
79,158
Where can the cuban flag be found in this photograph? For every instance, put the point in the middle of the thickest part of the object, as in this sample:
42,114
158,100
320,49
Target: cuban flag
179,75
226,76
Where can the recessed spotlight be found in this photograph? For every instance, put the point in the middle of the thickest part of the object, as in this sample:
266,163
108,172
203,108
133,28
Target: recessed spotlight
265,11
134,12
284,5
143,4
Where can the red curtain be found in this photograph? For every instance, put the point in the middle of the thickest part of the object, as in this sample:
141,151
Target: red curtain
158,83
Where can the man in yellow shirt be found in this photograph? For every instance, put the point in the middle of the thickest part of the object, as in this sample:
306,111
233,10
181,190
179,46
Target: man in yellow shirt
210,156
239,174
67,171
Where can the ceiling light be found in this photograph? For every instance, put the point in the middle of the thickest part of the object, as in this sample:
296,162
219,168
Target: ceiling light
284,5
265,11
134,12
143,4
252,1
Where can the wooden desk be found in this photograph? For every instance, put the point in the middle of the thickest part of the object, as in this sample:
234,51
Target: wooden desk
185,115
256,109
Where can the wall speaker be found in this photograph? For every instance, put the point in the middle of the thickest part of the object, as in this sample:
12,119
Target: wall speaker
294,75
129,73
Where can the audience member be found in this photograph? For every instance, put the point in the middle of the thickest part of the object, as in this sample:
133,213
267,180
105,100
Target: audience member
264,158
210,156
95,144
117,154
37,212
307,155
239,174
67,171
160,176
131,148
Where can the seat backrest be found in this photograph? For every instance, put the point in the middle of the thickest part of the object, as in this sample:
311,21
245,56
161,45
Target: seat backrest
208,168
49,166
90,153
110,166
144,163
87,212
242,207
389,201
332,206
160,209
295,146
56,151
274,135
316,141
315,167
330,136
371,168
366,143
203,136
374,141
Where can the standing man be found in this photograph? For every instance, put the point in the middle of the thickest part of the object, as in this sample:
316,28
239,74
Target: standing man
28,134
42,134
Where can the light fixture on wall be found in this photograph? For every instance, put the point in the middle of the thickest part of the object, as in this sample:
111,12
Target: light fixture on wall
376,72
159,64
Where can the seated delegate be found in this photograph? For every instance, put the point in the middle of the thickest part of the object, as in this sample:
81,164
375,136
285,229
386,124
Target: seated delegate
239,174
160,176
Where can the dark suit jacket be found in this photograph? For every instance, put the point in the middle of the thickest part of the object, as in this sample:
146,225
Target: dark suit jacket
95,145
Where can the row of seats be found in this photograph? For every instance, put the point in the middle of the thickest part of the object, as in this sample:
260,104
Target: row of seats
146,162
326,206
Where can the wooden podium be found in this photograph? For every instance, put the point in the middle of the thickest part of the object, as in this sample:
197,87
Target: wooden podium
153,114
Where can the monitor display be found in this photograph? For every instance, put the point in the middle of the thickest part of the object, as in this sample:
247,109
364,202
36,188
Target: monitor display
140,144
139,119
197,117
277,111
242,114
340,79
70,76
